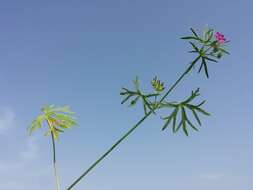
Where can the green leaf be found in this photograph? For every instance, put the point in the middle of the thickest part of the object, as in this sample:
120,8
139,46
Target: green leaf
196,116
192,51
123,101
224,51
194,33
185,129
36,124
55,116
189,38
175,120
170,118
151,95
200,68
192,126
201,103
202,111
55,134
62,109
167,123
178,127
210,59
48,132
206,69
210,33
184,117
59,130
194,46
193,95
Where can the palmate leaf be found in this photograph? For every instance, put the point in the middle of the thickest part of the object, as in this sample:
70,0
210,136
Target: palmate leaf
57,118
36,124
136,95
183,121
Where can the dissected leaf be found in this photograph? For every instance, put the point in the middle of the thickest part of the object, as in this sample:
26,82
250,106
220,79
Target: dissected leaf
58,118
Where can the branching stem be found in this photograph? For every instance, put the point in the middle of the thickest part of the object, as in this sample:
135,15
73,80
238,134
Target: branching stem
134,127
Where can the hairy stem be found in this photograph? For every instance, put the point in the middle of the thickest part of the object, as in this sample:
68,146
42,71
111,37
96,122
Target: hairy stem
134,127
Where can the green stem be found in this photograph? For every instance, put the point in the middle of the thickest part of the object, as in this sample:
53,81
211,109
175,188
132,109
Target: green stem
134,127
57,179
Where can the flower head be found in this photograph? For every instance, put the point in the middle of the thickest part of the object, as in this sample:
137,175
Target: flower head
220,37
157,85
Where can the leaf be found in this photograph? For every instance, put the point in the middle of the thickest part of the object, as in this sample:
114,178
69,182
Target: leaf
206,69
194,33
202,111
55,116
194,46
36,124
59,130
62,109
151,95
178,127
193,95
184,117
210,59
201,103
196,116
192,126
224,51
169,118
64,118
175,120
123,101
167,123
189,38
185,129
48,132
192,51
55,134
200,68
210,33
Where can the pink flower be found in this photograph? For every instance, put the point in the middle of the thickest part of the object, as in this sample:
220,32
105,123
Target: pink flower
220,37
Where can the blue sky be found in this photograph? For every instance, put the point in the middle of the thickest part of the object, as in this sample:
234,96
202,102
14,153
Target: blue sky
81,53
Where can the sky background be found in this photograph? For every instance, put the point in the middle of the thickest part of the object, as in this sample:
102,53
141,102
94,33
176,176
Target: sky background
80,53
